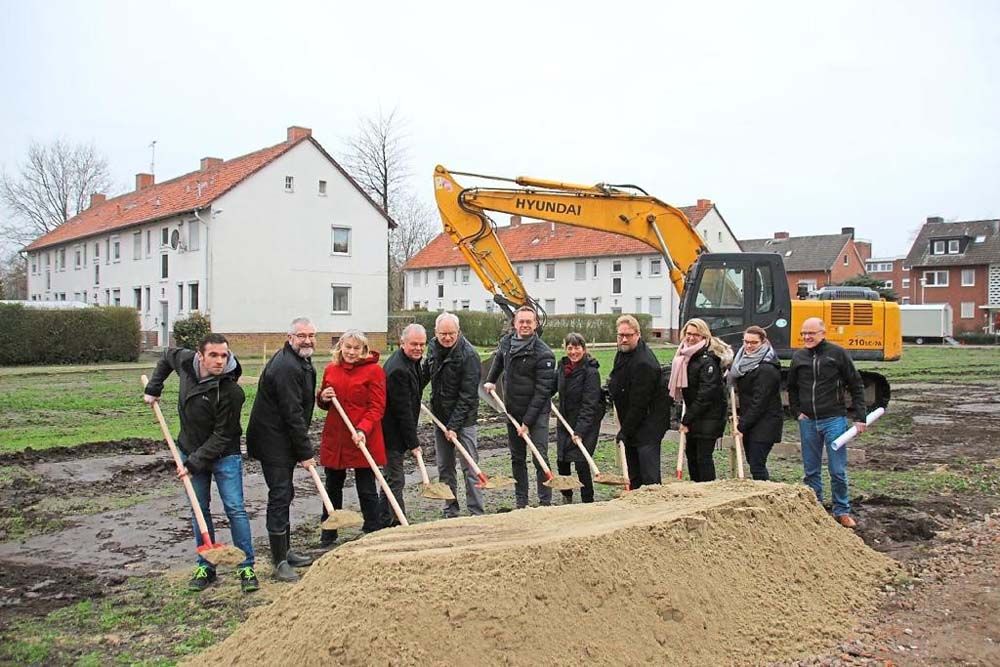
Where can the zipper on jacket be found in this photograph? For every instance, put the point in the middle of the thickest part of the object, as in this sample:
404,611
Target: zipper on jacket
815,375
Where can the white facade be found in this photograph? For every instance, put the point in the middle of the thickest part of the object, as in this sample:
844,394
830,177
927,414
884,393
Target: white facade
592,285
254,259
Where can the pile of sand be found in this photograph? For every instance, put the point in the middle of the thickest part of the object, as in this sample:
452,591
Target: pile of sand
730,572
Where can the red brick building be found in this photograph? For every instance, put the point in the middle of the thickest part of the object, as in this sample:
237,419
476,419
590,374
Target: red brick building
958,263
894,272
816,260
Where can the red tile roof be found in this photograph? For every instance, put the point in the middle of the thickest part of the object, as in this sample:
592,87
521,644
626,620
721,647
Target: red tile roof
532,241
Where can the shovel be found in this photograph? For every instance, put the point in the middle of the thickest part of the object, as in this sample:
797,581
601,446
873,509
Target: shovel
599,477
432,490
371,464
498,482
335,519
681,442
215,553
557,482
737,451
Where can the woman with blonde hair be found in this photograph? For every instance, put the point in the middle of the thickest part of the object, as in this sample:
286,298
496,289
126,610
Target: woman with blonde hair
355,378
696,376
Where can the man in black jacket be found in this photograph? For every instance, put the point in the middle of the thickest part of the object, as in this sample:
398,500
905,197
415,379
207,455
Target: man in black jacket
209,403
278,436
819,374
642,404
529,380
453,369
403,388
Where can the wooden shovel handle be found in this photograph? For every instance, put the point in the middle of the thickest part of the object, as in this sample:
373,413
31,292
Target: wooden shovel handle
621,454
737,439
423,468
458,445
527,438
371,464
322,491
681,441
195,505
572,435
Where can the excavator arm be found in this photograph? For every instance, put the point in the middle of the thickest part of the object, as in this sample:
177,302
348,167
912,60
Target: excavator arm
621,209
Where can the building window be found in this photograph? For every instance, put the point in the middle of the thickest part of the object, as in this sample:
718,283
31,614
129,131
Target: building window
426,277
937,248
62,259
887,283
968,310
550,306
322,188
164,237
289,184
341,298
616,310
638,304
656,306
465,304
454,305
968,277
616,266
520,270
638,267
340,241
440,275
906,283
655,266
180,297
580,270
416,279
935,278
454,276
538,272
137,298
593,269
149,242
846,260
593,304
193,296
97,274
616,285
34,265
580,306
953,247
440,291
489,305
97,251
550,271
116,250
906,300
164,266
77,259
416,305
194,235
465,275
48,280
137,246
116,297
147,299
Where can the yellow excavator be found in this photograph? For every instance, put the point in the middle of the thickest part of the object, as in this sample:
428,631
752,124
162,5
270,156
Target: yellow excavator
730,291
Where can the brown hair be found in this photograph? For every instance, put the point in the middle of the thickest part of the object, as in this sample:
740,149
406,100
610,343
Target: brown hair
757,331
574,338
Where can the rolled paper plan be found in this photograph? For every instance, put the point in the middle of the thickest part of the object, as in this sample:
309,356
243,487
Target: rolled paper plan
852,432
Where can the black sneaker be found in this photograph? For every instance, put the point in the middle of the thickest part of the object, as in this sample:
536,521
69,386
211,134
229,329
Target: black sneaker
202,577
248,579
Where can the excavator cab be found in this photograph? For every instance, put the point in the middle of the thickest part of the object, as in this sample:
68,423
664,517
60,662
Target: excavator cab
732,291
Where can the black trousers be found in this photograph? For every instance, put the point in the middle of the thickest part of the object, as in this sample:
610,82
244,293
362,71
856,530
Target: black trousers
699,451
643,465
757,453
364,484
395,477
583,474
280,493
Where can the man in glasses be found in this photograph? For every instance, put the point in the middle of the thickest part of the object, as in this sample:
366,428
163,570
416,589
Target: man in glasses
819,375
278,436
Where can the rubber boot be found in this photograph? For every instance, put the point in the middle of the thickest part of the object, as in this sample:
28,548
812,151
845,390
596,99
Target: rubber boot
327,538
294,559
279,551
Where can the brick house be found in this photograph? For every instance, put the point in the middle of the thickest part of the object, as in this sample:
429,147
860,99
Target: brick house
894,272
958,263
816,260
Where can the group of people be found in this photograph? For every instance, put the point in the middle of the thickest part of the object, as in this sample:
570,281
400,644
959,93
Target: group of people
383,403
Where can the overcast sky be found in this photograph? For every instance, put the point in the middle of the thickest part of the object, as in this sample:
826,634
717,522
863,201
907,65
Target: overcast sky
792,116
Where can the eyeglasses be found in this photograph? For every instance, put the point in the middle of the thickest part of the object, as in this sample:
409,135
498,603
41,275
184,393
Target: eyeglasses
627,335
304,336
810,333
751,342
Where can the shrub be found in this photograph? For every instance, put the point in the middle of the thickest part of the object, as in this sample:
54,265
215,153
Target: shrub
33,336
977,338
189,331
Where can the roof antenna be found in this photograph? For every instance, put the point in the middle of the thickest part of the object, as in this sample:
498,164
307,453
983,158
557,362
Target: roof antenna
152,157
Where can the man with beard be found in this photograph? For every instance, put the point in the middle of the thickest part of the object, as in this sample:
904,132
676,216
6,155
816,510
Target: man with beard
278,436
642,404
529,380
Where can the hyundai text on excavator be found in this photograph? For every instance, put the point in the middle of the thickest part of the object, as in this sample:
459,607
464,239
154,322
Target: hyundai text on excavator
730,291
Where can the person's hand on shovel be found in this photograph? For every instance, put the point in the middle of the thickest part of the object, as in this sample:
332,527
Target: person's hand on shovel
182,472
577,440
359,438
149,399
489,387
522,430
308,463
328,395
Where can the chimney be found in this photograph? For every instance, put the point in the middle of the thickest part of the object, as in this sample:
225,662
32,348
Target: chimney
781,235
209,162
847,230
935,218
143,181
864,249
704,204
97,198
295,133
515,221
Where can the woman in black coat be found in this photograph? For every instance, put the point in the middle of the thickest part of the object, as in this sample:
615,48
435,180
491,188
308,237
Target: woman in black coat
756,375
696,375
581,404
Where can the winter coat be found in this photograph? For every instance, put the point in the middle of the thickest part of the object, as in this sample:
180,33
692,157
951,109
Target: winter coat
278,432
454,376
402,402
529,378
705,411
209,411
640,397
759,392
817,380
581,403
360,389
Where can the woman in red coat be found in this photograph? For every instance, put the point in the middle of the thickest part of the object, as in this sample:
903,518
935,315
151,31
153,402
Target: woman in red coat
358,383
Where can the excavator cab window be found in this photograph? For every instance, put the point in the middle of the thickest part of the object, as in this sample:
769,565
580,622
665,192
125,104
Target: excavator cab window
720,296
764,288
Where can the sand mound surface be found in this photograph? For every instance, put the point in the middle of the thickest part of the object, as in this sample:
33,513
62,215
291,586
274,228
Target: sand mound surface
731,572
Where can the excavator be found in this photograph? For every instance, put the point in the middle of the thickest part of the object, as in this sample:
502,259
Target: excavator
730,291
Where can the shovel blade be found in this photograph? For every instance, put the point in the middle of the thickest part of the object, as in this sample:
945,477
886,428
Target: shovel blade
342,519
498,482
611,480
221,554
563,483
437,491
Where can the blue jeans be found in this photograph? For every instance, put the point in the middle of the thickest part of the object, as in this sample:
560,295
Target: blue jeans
816,435
228,473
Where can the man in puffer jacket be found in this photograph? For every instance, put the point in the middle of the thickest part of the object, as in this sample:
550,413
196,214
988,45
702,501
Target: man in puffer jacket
529,380
209,403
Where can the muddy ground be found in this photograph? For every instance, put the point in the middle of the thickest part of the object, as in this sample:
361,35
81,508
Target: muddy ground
87,522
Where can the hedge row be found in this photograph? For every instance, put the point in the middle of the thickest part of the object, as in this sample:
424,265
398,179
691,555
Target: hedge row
32,336
485,329
976,338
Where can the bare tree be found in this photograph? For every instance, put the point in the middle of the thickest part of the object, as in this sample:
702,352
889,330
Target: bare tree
377,157
417,226
13,277
50,187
